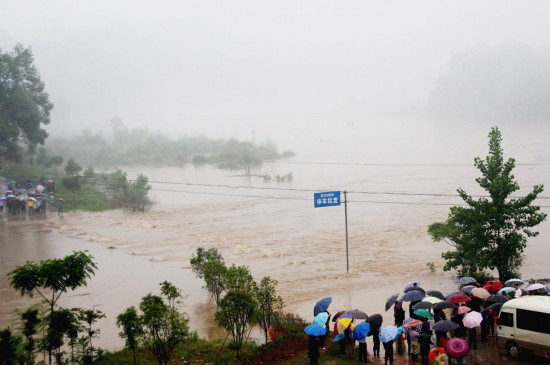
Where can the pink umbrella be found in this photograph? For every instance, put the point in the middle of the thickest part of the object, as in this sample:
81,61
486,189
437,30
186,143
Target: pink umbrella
457,347
535,286
463,309
472,319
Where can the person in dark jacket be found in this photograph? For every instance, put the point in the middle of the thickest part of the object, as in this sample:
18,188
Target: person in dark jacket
313,352
425,341
375,331
388,353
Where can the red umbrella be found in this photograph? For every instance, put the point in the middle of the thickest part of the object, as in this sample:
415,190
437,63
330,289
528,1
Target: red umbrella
458,298
435,353
493,286
457,347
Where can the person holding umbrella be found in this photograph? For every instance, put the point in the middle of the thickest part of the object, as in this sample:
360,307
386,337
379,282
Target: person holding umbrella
313,353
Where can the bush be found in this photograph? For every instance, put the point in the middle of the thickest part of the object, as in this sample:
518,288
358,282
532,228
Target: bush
72,183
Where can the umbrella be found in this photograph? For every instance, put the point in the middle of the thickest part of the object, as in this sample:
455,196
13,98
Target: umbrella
315,330
480,293
416,327
388,333
415,283
457,347
497,298
33,199
361,331
466,280
467,288
10,196
321,319
496,306
512,282
422,305
423,313
414,288
40,188
375,321
413,296
322,305
434,353
337,315
432,300
435,293
472,319
444,305
463,309
412,323
391,301
399,332
339,337
61,199
535,286
357,314
505,290
493,285
445,325
343,323
458,298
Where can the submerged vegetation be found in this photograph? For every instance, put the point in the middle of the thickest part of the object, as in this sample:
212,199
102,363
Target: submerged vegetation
140,146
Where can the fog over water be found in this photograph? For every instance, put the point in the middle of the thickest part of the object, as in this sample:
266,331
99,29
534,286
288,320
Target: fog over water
383,100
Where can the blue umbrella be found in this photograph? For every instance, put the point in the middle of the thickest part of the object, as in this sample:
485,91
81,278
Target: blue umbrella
361,331
399,332
315,330
322,305
388,333
321,319
339,337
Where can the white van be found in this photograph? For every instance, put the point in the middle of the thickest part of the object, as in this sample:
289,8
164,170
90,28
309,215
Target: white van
524,325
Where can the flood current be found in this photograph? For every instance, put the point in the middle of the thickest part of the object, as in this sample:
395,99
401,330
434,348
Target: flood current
396,187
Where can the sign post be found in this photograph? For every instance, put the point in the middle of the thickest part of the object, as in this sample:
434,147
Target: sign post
331,199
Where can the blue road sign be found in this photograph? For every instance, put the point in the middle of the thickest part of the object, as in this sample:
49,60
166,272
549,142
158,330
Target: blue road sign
326,199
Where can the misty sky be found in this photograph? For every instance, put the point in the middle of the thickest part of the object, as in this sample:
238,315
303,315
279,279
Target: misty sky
224,68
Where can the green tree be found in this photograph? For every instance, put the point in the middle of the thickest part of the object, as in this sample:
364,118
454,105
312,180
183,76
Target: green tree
490,232
236,314
270,304
50,279
89,317
171,292
72,168
10,348
24,105
215,279
240,278
130,322
30,321
202,257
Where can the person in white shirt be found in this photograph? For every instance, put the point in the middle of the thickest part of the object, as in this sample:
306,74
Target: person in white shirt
518,291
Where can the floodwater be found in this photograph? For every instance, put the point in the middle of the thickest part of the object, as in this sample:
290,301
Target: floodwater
275,230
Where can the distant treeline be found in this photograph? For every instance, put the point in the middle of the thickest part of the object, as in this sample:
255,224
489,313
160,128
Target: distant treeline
140,146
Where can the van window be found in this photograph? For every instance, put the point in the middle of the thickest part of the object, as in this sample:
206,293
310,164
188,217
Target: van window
506,319
533,321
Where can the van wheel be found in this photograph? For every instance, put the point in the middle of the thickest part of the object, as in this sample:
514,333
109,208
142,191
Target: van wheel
513,350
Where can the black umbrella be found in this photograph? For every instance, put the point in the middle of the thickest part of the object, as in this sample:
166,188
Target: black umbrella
414,288
444,305
413,296
435,293
496,307
375,320
445,325
357,314
422,305
391,301
496,298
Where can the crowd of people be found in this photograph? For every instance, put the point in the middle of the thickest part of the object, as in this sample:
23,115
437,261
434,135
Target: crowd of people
434,321
28,198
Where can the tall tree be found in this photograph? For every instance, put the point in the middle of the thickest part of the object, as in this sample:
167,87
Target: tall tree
202,257
130,322
56,276
269,303
490,232
236,314
24,105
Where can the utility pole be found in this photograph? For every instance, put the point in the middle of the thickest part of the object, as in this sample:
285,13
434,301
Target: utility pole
346,218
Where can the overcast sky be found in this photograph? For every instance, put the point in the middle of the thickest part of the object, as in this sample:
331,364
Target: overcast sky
224,68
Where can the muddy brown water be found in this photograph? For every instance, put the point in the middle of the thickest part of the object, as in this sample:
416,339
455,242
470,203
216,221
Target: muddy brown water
276,233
